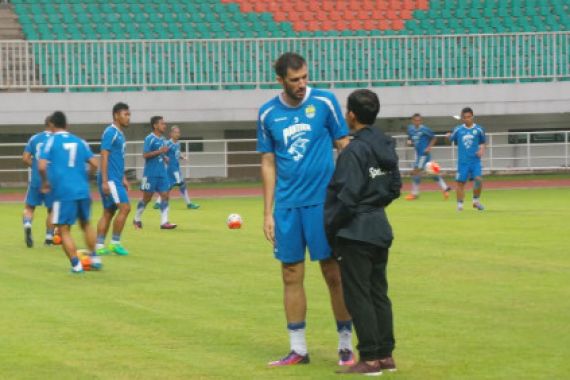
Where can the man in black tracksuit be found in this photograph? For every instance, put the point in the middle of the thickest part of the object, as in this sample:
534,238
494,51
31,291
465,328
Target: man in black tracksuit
366,180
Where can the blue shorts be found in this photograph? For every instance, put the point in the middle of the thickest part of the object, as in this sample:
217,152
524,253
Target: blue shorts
34,197
67,212
155,184
468,171
175,178
421,161
299,228
118,194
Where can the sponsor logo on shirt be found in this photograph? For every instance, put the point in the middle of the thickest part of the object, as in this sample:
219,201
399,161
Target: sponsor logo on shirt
293,130
298,149
375,172
467,140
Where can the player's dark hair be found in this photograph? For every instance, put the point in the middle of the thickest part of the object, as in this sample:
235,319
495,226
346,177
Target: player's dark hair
154,120
288,61
466,110
47,120
416,115
120,107
365,105
58,119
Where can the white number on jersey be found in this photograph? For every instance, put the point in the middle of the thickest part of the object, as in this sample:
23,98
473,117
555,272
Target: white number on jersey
72,148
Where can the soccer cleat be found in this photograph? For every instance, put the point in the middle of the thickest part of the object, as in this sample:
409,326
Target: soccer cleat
446,193
48,242
292,358
137,225
345,357
193,206
167,226
478,206
28,237
118,249
156,206
362,368
96,263
77,271
411,197
103,251
388,364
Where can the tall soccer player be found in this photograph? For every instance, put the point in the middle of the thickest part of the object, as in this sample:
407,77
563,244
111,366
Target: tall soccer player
112,182
423,139
155,177
295,135
34,195
173,168
68,155
470,140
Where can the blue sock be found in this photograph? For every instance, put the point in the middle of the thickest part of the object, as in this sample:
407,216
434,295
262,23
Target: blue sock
296,326
417,179
163,205
343,326
140,205
116,237
101,239
74,261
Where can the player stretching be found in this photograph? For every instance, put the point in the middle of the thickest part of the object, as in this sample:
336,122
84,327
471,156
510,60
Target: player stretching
67,155
155,178
423,139
112,182
34,195
295,135
470,140
173,167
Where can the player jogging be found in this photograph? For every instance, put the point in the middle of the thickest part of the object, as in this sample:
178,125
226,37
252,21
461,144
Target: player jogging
423,139
295,135
173,168
112,182
67,155
155,178
470,140
34,195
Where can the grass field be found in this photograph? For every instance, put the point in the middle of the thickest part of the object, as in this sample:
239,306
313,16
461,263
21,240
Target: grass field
476,296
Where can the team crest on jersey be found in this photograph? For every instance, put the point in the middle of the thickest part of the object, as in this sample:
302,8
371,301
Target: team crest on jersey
474,132
467,141
298,149
310,111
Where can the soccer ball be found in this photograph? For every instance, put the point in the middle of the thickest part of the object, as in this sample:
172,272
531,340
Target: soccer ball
56,239
234,221
87,261
432,167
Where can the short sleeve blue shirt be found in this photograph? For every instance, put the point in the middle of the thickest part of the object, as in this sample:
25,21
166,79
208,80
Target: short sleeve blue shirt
173,156
154,166
302,140
421,137
34,147
113,141
468,141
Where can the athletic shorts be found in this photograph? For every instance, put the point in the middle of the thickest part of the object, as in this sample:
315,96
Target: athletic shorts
421,161
297,229
34,197
175,179
67,212
155,184
468,171
118,194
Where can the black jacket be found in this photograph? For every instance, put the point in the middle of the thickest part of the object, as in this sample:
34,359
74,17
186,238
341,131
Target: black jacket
366,180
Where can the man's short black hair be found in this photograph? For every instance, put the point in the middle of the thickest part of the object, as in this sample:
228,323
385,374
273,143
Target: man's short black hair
467,110
288,61
58,119
120,107
365,105
416,115
154,120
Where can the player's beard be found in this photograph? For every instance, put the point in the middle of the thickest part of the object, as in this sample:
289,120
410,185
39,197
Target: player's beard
298,95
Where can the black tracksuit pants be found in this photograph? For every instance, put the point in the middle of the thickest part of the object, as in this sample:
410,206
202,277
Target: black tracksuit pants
365,286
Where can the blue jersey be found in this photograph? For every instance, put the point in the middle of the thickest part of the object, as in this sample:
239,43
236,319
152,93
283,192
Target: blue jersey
302,140
154,166
34,147
173,156
420,137
113,141
468,141
67,155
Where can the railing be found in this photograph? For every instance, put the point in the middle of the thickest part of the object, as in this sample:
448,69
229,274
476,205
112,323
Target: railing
247,63
506,152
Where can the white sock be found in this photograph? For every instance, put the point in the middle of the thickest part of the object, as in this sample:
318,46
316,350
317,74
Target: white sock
186,197
113,241
49,236
164,215
442,183
139,212
345,340
78,267
99,246
298,341
158,200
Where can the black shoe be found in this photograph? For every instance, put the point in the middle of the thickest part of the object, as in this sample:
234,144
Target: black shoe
28,234
48,242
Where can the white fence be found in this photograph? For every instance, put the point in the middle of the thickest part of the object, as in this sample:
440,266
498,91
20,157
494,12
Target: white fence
247,63
506,152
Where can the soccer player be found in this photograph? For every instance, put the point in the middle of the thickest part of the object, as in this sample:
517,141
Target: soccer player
112,182
34,195
68,155
423,139
155,178
173,168
295,135
470,140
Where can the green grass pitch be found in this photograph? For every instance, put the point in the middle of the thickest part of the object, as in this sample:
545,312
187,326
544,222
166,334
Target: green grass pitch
476,295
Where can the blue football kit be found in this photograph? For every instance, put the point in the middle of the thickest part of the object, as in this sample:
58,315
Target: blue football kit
113,141
468,141
67,155
34,196
155,178
301,138
173,167
420,137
